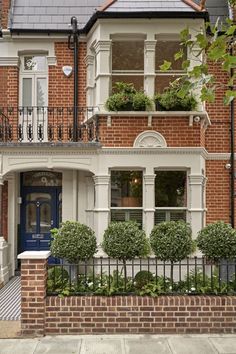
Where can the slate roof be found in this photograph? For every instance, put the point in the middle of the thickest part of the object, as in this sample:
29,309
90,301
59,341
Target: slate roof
140,5
51,14
56,14
217,8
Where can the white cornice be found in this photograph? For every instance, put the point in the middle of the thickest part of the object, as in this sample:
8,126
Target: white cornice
9,61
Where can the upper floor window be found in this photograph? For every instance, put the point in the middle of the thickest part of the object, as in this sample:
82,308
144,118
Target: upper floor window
165,50
128,62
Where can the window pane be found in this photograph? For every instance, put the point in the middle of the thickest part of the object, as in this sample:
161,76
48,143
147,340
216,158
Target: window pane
137,81
31,211
127,215
128,55
33,197
27,92
165,50
126,189
170,189
42,178
41,92
45,218
35,63
163,81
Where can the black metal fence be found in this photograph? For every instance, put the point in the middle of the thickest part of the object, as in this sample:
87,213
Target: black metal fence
47,124
105,276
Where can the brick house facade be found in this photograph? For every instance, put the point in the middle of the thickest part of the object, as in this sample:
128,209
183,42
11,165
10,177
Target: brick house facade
47,177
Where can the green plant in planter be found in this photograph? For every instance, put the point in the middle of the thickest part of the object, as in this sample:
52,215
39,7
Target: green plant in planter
126,98
73,241
173,99
172,241
125,241
217,241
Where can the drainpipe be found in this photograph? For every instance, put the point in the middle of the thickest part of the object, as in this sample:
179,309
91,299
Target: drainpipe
73,44
232,189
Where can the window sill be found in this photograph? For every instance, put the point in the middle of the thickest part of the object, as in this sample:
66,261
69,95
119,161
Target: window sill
197,117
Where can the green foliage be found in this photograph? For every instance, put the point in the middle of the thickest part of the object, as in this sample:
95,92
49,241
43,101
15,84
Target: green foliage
176,97
217,241
126,98
142,278
124,240
58,278
204,48
73,241
171,240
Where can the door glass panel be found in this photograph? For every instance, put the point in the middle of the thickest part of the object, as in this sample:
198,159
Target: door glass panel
42,178
39,197
60,209
31,212
45,218
27,92
41,92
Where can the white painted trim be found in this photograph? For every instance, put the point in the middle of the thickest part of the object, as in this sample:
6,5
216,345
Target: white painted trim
9,61
34,255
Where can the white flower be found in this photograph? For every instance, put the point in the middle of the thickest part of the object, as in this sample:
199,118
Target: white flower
193,289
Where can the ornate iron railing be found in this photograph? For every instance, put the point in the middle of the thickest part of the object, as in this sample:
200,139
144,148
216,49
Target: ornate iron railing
47,124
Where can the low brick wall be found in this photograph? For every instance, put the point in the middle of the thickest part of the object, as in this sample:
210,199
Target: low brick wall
43,314
134,314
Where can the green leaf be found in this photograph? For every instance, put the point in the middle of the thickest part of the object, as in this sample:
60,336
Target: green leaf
202,40
185,64
184,35
230,95
231,30
217,49
229,62
179,54
208,94
165,66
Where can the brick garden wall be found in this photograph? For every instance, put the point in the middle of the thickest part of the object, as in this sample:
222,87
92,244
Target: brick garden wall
42,315
133,314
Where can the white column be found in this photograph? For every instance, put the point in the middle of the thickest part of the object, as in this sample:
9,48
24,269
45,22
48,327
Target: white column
89,201
103,72
69,195
149,202
149,67
196,202
12,222
90,64
101,210
4,270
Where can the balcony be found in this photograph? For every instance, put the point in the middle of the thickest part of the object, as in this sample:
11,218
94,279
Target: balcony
48,125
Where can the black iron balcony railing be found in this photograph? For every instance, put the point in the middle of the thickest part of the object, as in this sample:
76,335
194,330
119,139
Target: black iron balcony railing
47,124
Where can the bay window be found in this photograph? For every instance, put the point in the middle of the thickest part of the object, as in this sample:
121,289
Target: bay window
170,196
126,196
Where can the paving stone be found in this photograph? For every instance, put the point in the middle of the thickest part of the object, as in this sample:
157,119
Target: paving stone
224,345
193,345
58,345
101,346
19,346
140,346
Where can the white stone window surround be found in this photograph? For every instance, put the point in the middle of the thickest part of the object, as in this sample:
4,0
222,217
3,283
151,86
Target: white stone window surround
106,30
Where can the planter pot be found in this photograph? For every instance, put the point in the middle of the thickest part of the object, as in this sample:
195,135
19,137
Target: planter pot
130,202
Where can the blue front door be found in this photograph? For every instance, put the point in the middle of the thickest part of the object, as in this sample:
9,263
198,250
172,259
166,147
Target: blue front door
40,212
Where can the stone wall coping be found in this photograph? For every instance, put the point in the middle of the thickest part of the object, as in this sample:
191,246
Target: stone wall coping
34,255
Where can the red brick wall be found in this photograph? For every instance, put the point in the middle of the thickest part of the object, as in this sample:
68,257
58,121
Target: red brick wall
4,9
33,293
217,191
61,88
133,314
124,130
